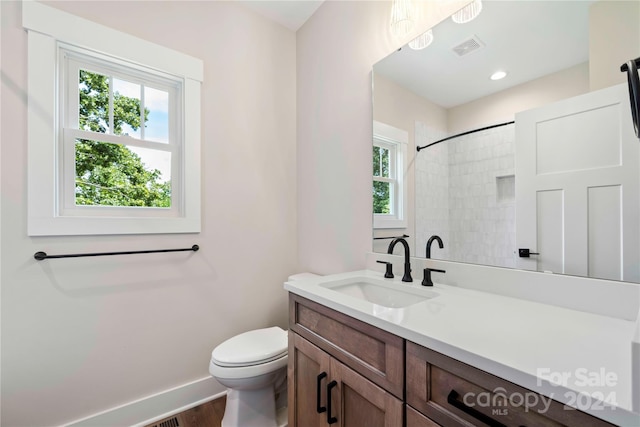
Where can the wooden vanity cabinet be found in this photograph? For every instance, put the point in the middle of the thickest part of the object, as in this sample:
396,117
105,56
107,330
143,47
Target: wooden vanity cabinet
336,367
347,373
452,393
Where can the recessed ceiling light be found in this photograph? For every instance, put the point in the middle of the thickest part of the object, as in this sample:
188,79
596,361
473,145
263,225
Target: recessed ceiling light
498,75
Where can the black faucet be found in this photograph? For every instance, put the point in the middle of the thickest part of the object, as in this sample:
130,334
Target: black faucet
426,281
388,272
407,263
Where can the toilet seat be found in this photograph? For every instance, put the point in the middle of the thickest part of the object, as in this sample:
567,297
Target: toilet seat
250,348
238,372
250,354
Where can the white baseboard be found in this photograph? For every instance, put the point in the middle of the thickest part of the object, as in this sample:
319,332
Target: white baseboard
156,407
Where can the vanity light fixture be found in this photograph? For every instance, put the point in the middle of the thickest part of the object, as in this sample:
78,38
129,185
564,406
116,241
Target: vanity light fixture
402,17
498,75
422,41
467,13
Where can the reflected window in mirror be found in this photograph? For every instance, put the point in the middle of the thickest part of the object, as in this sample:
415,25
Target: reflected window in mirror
389,187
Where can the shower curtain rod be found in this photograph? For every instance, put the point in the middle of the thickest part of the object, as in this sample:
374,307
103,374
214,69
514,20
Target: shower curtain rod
465,133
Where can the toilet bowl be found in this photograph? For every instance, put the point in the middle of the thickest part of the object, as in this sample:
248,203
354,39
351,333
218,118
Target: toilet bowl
253,367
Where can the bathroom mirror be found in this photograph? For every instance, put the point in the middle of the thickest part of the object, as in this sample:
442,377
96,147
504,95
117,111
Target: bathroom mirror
469,189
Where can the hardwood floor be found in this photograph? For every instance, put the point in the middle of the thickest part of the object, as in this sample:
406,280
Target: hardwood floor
206,415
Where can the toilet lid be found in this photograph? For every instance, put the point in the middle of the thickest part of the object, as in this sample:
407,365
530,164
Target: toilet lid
251,348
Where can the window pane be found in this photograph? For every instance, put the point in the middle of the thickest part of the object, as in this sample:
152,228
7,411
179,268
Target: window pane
381,197
155,160
376,161
114,175
156,103
380,161
384,162
126,108
94,101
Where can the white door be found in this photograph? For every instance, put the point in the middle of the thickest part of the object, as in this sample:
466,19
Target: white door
577,187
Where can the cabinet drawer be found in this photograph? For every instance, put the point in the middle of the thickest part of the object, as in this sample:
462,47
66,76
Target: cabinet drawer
416,419
456,394
373,353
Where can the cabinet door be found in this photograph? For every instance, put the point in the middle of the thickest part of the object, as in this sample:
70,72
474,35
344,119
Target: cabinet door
308,374
357,402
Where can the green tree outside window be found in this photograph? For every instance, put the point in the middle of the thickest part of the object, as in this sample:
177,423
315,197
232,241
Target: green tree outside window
109,174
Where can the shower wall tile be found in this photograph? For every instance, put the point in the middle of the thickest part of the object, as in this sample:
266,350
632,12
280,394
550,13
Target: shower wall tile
432,191
457,195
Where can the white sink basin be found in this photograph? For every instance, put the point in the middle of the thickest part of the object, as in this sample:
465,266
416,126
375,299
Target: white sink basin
389,295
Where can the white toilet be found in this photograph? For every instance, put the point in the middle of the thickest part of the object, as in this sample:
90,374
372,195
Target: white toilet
253,366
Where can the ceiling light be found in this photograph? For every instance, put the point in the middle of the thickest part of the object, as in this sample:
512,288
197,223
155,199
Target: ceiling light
498,75
401,17
422,41
467,13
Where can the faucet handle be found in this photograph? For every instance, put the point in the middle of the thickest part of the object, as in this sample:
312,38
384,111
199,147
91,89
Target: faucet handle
388,274
426,281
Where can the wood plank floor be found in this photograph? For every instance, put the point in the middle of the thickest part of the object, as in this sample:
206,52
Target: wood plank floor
206,415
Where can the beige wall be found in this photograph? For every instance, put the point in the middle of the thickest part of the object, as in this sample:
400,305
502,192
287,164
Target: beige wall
401,108
84,335
336,50
614,38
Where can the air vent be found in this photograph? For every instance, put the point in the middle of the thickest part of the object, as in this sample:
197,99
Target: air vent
169,422
466,47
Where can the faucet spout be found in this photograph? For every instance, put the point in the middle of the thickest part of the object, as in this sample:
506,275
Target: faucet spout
430,242
427,271
407,263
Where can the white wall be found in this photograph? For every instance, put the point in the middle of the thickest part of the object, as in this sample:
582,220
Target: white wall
84,335
336,50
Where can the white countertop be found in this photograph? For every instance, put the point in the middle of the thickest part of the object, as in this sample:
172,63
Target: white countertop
577,358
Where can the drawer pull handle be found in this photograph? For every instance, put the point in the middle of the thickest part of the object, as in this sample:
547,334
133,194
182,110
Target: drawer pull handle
452,399
330,419
319,406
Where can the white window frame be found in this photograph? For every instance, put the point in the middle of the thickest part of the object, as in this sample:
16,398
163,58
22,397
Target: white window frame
49,32
396,141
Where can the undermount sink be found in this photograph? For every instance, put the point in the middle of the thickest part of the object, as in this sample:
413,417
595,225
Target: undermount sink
380,293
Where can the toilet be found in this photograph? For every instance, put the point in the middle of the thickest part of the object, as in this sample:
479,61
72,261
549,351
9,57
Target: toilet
253,367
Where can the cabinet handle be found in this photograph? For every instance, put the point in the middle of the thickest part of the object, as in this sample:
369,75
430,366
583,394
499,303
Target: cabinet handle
320,408
330,419
452,399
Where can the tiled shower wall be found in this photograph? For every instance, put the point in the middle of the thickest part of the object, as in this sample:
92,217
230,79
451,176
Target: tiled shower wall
465,193
432,192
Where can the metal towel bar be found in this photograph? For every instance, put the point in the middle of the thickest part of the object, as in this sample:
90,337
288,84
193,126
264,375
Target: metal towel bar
43,255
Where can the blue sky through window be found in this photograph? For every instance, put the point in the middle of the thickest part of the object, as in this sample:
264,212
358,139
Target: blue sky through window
156,127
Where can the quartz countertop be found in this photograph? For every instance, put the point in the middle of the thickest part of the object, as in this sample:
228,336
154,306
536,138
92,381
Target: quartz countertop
580,359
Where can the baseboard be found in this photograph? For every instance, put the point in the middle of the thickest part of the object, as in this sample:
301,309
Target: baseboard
156,407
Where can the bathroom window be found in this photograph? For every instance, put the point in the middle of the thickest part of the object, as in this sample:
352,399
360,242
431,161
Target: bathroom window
114,130
389,189
121,144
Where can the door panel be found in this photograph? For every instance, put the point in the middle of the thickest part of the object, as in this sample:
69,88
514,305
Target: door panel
578,187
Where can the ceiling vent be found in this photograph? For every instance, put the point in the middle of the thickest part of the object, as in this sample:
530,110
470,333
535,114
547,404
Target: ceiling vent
472,44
